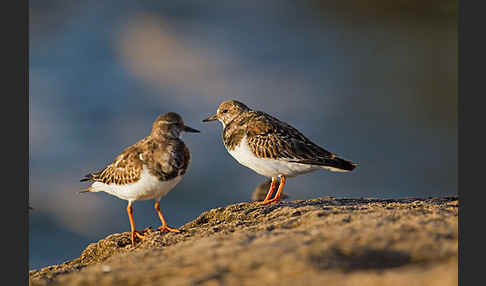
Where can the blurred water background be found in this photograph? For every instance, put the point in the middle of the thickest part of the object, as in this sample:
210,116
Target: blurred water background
373,81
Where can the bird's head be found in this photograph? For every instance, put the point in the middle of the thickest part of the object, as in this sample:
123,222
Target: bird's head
227,111
170,125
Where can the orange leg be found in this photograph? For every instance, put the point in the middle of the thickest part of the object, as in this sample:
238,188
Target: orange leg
270,192
135,233
164,226
272,187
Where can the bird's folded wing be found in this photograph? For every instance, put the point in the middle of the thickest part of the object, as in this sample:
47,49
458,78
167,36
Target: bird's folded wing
273,139
125,169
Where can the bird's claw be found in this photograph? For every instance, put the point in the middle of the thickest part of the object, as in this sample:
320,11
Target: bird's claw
169,229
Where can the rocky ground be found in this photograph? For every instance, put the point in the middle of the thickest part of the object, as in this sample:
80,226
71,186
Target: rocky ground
325,241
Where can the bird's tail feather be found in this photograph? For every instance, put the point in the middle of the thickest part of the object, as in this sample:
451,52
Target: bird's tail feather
339,165
88,190
87,177
335,164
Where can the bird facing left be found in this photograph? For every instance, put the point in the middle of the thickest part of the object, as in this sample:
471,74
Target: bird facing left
146,170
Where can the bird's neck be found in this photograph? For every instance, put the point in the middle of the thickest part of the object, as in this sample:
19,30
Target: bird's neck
234,131
161,137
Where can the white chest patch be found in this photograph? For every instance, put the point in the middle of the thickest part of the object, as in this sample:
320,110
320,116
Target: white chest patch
148,187
268,167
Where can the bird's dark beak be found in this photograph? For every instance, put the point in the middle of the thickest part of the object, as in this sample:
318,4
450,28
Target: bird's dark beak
189,129
211,118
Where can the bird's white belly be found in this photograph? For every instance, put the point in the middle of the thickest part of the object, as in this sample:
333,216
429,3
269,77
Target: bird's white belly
146,188
268,167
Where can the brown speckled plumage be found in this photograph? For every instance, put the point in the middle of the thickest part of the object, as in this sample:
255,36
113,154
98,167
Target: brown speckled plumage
270,147
148,169
271,138
165,156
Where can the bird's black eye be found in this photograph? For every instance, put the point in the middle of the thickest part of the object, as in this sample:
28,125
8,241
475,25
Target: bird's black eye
224,111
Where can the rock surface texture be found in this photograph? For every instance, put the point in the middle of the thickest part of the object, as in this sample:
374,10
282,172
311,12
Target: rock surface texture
325,241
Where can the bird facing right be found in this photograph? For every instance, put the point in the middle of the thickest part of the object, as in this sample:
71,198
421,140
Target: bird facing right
270,147
148,169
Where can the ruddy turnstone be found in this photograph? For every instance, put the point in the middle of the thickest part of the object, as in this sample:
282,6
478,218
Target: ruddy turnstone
270,147
148,169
